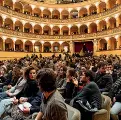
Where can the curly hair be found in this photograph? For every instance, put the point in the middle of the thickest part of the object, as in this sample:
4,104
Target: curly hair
46,79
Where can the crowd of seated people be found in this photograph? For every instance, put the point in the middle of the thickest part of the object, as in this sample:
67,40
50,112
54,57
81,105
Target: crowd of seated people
45,85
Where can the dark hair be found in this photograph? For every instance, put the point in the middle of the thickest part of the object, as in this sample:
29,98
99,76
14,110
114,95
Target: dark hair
46,79
90,74
72,72
27,71
101,64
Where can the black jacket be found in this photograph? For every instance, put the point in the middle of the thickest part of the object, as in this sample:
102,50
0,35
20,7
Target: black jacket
30,89
91,94
35,102
104,82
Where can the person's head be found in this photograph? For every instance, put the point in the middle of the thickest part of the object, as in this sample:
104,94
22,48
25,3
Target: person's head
87,76
70,73
30,73
3,70
110,67
62,71
17,71
46,80
102,66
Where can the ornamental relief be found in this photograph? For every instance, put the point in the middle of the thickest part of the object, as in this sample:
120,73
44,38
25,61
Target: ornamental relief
99,16
115,31
81,4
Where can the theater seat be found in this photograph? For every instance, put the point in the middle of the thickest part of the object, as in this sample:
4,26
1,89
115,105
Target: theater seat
73,114
104,113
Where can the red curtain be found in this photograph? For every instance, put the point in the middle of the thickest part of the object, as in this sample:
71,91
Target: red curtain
80,45
89,45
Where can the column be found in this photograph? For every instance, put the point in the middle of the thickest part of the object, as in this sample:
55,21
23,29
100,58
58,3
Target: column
32,29
3,3
51,48
72,47
3,24
42,13
13,5
117,24
42,47
13,25
33,47
23,46
14,45
3,45
69,32
69,15
79,30
60,15
23,10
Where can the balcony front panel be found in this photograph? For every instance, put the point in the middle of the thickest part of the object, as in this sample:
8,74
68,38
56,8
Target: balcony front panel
83,20
28,36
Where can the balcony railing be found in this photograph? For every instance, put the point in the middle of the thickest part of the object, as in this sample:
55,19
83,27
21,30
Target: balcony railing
30,36
83,20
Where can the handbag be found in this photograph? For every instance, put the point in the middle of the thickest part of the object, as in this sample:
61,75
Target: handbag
17,114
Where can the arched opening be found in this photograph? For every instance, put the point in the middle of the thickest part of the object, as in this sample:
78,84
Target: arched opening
8,4
18,26
46,13
112,23
1,2
111,4
65,30
56,47
18,7
19,46
47,47
55,14
74,14
9,45
119,41
28,46
92,10
8,24
65,14
112,44
37,29
36,12
118,2
1,44
83,29
27,10
46,30
1,21
74,30
56,30
102,25
65,47
83,12
102,44
119,20
28,28
102,7
92,28
38,47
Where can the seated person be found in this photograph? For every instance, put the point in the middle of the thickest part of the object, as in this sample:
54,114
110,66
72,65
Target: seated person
102,79
90,93
34,102
53,106
29,89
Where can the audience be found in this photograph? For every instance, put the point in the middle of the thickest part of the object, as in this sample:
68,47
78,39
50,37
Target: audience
62,80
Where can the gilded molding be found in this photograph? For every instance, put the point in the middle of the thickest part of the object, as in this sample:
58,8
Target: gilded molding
83,20
21,35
